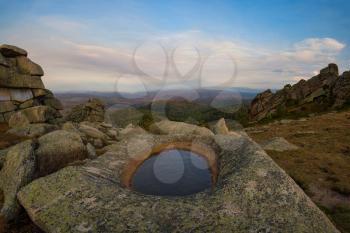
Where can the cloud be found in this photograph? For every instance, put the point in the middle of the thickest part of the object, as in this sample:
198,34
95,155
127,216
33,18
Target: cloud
315,50
74,59
61,24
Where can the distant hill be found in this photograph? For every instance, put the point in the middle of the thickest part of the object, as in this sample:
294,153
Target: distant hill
231,96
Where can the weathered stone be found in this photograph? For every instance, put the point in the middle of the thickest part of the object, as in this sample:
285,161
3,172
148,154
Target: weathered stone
7,106
26,66
93,111
12,51
220,127
92,132
331,69
57,149
29,103
2,118
20,95
4,76
3,61
42,92
5,94
106,125
112,133
342,90
98,143
252,194
37,114
18,171
18,120
130,131
18,80
32,130
8,115
278,144
318,90
3,154
91,151
54,103
173,127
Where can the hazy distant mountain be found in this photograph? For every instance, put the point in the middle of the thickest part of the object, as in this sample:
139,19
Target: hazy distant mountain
235,94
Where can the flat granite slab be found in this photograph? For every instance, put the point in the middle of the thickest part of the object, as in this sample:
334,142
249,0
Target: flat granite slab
252,194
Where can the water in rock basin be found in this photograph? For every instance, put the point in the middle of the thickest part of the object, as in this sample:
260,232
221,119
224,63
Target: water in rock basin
172,173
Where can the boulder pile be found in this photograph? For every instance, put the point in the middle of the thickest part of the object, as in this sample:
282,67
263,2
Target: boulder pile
22,90
326,90
93,111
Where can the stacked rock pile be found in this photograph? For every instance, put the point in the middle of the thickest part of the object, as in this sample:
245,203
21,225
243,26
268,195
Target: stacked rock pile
22,90
93,110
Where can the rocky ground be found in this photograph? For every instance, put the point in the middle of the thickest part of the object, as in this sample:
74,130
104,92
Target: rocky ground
71,173
321,164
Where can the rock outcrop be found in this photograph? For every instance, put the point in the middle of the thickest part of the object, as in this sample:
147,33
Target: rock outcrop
22,90
174,127
93,111
252,194
324,91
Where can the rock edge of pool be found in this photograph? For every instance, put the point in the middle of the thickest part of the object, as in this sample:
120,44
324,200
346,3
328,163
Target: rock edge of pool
251,194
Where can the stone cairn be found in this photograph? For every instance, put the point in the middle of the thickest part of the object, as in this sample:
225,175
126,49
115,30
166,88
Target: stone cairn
23,97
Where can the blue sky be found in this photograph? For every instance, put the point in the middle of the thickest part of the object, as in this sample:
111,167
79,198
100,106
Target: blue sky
92,45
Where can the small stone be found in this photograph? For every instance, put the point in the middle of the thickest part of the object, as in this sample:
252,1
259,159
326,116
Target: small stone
7,106
5,94
41,92
106,125
12,51
92,132
112,133
21,95
91,151
28,104
98,143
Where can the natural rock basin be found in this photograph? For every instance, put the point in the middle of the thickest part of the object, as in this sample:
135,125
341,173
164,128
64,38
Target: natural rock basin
172,173
251,193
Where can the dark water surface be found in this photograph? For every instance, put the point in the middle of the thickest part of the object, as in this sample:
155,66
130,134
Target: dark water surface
172,173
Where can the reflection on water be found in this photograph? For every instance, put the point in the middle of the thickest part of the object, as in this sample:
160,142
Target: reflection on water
172,173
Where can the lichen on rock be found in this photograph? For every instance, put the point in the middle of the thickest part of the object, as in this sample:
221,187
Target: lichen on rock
252,194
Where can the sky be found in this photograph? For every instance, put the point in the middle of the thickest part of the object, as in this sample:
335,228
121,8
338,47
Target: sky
134,45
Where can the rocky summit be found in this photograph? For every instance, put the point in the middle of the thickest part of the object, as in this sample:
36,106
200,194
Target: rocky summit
327,90
23,97
74,173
